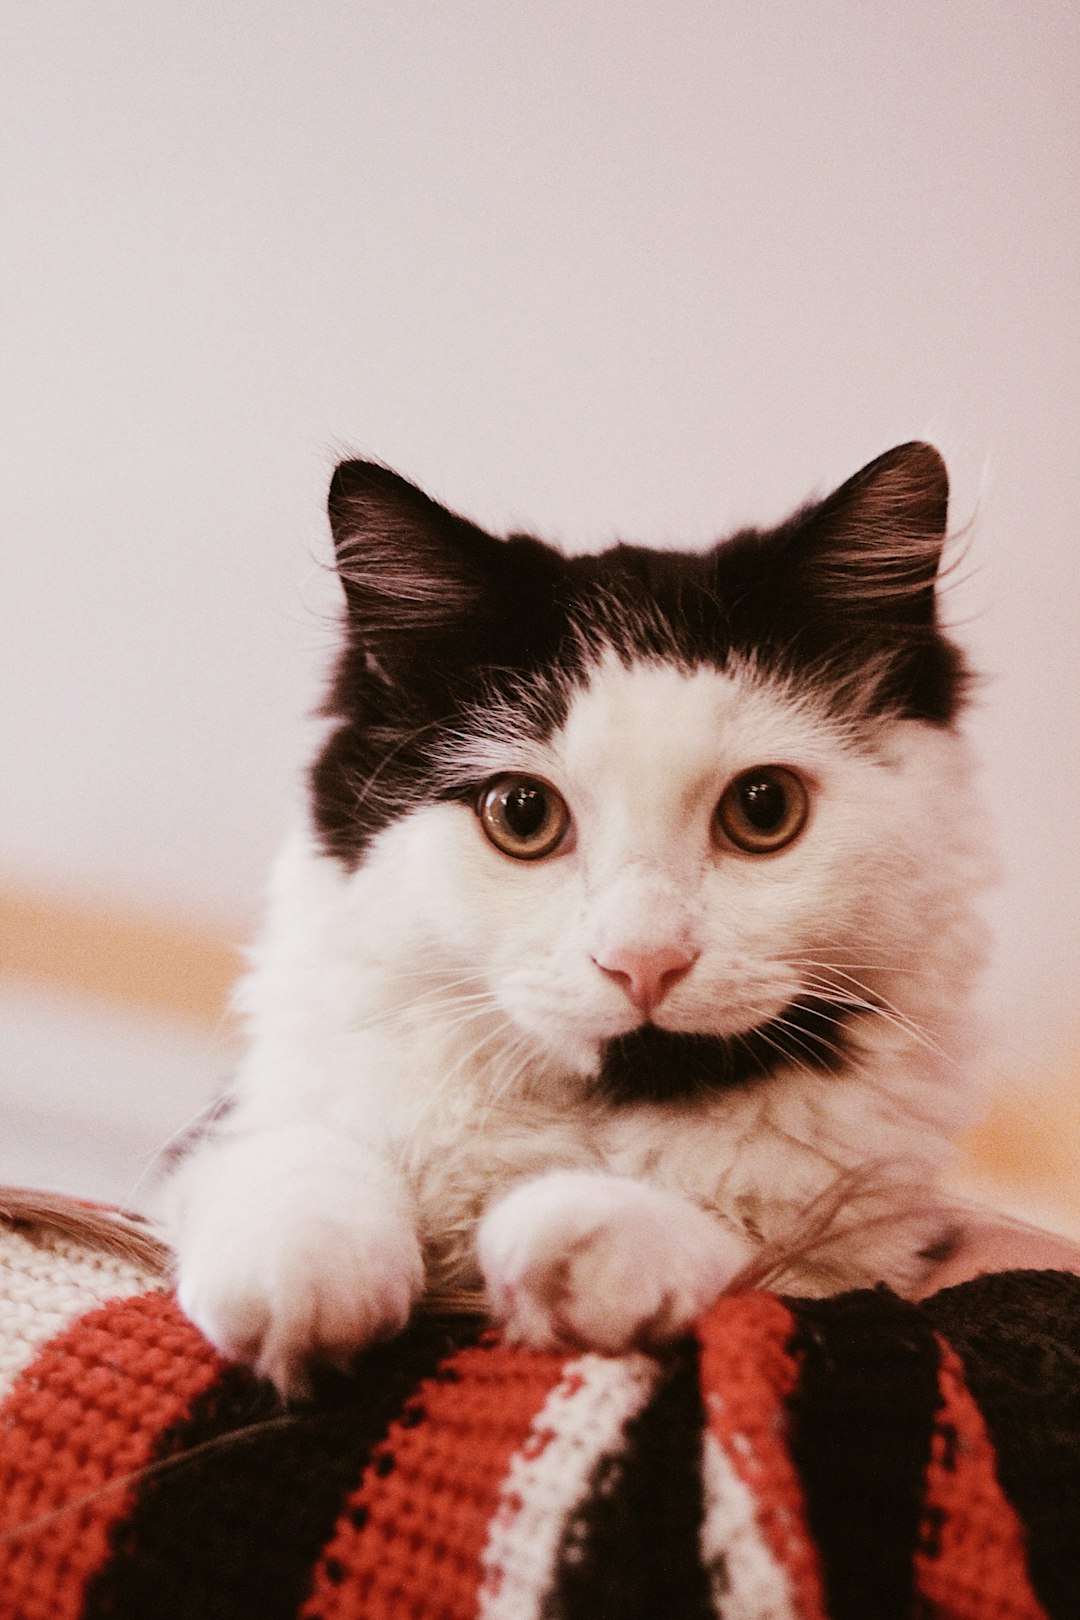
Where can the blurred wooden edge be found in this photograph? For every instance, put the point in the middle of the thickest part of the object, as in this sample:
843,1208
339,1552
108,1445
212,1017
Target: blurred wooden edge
1019,1132
117,954
1025,1149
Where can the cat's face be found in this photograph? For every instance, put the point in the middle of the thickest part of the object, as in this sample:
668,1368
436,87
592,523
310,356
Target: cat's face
712,797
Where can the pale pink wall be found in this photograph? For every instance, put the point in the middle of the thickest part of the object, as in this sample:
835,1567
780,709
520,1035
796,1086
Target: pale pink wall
646,268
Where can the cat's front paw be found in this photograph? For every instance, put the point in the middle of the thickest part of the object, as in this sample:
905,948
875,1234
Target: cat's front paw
603,1262
282,1296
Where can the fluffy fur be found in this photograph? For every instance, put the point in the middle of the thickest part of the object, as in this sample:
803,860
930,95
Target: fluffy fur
599,1081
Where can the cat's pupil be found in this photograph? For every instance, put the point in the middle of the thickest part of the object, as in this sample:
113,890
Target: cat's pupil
764,803
525,809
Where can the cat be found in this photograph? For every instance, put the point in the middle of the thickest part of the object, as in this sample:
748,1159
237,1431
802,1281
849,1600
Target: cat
635,906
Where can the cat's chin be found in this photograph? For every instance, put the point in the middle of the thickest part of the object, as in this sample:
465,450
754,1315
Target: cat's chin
651,1064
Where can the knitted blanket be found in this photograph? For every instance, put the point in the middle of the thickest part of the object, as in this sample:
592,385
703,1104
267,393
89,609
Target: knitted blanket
858,1458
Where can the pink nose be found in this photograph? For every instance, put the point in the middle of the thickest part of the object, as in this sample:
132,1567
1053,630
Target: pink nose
646,975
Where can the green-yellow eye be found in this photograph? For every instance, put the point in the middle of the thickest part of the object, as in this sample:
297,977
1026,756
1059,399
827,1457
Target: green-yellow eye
523,816
763,809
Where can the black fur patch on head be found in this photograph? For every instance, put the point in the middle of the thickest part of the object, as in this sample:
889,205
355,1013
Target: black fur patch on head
444,623
660,1065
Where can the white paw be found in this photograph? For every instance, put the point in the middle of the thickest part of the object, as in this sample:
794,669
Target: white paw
603,1262
316,1292
285,1270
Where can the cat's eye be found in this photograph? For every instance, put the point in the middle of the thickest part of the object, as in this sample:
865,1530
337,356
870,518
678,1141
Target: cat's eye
523,816
763,809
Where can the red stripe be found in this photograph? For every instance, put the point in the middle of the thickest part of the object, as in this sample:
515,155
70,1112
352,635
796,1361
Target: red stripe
747,1373
80,1420
970,1563
410,1539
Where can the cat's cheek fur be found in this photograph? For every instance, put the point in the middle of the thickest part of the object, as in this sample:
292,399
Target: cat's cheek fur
297,1247
608,1262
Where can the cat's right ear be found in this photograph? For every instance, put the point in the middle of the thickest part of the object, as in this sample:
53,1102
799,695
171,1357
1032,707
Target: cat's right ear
408,566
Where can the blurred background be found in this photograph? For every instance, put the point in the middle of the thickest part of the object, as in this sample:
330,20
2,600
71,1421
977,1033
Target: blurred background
646,270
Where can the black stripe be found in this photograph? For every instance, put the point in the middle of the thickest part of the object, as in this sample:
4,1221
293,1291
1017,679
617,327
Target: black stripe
1018,1336
663,1065
633,1548
862,1416
236,1531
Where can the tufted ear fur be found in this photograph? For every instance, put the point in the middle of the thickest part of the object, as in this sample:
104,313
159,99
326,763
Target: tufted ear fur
843,593
872,548
407,565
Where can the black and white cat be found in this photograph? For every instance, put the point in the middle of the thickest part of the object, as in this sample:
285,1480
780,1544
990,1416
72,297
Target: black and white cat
635,906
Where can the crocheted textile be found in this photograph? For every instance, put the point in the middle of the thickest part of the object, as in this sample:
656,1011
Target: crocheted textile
857,1458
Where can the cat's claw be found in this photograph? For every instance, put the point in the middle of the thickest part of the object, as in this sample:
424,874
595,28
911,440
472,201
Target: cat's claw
602,1262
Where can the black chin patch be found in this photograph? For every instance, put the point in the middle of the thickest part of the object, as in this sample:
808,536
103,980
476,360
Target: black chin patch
661,1065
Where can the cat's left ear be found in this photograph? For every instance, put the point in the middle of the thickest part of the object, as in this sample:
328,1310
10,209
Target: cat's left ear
874,544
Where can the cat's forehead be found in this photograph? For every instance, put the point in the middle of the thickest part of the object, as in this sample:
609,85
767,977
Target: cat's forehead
653,720
647,715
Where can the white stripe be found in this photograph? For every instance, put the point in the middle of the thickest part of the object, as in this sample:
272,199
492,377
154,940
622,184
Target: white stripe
46,1282
745,1579
581,1422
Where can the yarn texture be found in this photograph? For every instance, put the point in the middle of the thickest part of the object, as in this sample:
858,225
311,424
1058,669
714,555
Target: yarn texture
792,1460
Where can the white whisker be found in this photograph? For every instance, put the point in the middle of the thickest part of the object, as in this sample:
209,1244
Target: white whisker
804,1066
809,1042
879,1006
161,1153
782,1051
469,1059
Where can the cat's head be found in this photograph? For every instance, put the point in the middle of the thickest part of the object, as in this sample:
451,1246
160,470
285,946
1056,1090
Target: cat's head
716,794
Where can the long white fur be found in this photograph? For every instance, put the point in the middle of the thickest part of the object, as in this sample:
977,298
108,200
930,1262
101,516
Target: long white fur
422,1031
